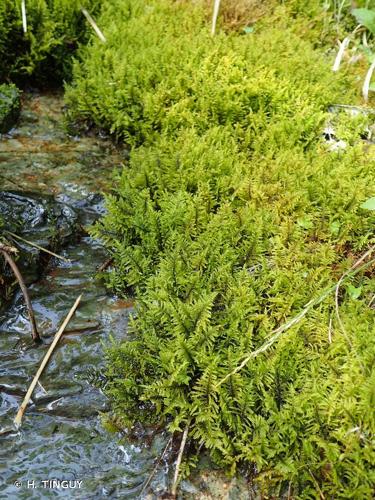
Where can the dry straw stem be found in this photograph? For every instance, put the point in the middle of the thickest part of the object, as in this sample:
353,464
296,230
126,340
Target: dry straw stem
215,16
343,46
356,267
24,19
179,458
366,83
6,251
317,485
24,404
94,25
37,246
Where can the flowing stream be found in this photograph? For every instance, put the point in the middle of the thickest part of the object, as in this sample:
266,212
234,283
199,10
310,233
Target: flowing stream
62,437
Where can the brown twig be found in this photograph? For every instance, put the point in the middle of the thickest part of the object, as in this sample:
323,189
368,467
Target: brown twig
146,484
105,264
23,406
35,245
179,458
5,250
317,485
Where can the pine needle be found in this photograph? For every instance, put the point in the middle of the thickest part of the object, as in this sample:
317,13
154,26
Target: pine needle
356,267
345,275
21,411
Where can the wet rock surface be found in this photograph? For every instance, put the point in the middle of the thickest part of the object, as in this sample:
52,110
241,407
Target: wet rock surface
50,186
38,219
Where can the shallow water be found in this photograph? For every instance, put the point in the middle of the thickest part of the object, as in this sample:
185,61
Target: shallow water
61,437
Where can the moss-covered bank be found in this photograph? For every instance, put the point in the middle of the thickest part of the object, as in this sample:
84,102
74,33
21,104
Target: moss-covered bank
231,216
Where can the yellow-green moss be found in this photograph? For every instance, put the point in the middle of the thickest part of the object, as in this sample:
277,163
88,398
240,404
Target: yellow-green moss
231,215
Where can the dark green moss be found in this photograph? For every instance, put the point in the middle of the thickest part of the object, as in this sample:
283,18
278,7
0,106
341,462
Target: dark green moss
10,106
43,55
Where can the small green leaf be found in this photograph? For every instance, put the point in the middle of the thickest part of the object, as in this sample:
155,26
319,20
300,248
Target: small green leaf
366,17
369,204
305,222
335,227
354,292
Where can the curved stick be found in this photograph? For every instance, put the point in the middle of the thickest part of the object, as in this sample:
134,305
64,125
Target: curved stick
6,253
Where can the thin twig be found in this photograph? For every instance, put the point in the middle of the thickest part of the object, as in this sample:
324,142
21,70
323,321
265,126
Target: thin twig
21,411
317,485
179,458
289,490
43,389
37,246
105,264
24,19
94,25
6,253
277,333
148,481
215,16
366,83
371,301
91,328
